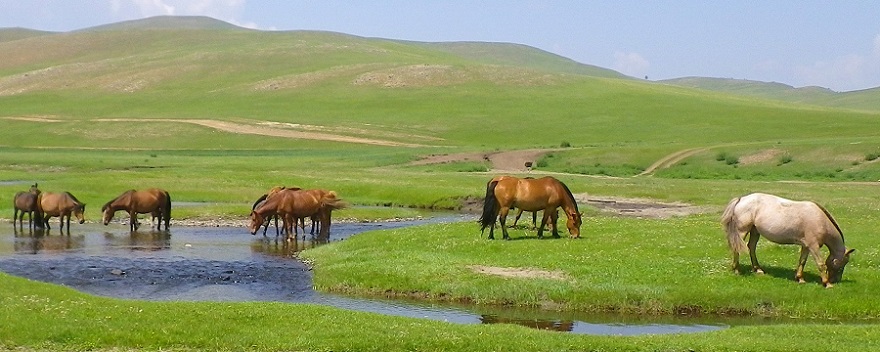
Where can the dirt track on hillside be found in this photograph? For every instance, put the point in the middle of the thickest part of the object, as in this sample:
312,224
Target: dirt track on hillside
513,160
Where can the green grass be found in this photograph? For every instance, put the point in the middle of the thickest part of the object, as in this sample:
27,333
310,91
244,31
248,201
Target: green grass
457,98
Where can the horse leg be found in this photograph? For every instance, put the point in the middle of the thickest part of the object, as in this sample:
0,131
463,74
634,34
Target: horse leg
516,218
544,221
502,218
534,220
554,218
799,274
753,244
823,270
132,221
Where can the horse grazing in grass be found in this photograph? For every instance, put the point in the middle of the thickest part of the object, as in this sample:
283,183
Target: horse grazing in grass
786,222
63,205
546,193
26,202
291,205
153,201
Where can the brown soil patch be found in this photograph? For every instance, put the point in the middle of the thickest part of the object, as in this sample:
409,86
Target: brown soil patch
760,157
242,128
519,272
641,208
514,160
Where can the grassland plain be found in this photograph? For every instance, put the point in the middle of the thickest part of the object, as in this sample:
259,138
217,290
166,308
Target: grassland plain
98,112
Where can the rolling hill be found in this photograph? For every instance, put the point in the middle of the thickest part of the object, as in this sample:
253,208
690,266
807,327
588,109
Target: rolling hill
208,84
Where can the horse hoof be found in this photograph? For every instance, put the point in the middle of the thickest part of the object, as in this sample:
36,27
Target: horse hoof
759,271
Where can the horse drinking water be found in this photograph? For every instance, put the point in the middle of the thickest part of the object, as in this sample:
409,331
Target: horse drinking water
291,205
546,193
786,222
153,201
63,205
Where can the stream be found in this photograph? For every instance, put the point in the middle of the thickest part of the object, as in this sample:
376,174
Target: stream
228,264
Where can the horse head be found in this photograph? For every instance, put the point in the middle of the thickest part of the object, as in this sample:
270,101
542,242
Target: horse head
256,221
835,266
79,211
574,223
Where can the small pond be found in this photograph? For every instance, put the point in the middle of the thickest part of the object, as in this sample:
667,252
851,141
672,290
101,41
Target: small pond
228,264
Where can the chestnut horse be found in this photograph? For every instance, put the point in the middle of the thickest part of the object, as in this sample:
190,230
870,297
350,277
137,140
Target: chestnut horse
153,201
63,205
26,202
269,219
546,193
785,221
297,204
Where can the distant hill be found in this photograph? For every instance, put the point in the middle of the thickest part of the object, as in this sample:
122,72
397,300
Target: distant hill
864,100
167,22
10,34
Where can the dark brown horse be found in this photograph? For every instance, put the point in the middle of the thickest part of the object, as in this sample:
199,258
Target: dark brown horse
546,193
269,219
26,202
63,205
291,205
154,201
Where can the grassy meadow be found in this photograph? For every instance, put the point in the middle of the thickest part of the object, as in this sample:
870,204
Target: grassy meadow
97,112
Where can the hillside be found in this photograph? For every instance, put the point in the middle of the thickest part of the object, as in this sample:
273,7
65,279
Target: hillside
200,84
10,34
863,100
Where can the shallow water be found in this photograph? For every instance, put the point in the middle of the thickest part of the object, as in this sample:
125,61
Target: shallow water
228,264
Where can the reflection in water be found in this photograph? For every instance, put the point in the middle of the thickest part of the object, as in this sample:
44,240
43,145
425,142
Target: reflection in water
540,324
34,241
140,240
286,249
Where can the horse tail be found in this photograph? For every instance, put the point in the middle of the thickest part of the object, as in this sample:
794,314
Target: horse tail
729,224
490,207
330,202
167,213
831,218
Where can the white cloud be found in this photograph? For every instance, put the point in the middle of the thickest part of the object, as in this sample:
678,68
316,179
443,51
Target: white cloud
845,73
630,64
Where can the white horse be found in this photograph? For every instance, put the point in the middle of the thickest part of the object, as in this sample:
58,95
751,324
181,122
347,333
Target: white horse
785,221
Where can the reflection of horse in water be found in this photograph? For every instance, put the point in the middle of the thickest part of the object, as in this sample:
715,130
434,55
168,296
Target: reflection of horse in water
26,202
286,249
140,240
541,324
63,205
38,241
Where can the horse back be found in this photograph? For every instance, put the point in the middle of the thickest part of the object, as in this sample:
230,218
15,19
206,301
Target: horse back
786,221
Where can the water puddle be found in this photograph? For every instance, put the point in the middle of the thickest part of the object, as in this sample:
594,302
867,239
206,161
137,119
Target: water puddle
228,264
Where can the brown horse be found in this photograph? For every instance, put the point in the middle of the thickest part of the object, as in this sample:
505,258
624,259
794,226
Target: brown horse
269,219
546,193
297,204
153,201
63,205
785,221
26,202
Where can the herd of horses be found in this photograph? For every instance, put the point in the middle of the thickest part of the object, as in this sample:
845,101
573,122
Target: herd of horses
779,220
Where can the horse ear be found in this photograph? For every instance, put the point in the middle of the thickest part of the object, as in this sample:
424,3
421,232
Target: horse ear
850,251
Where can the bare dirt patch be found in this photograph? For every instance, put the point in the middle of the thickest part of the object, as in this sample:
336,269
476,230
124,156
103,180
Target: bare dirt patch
519,272
513,160
641,208
32,119
761,157
242,128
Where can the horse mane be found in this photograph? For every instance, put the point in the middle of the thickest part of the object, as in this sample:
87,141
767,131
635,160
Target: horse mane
831,218
107,205
570,196
262,198
72,197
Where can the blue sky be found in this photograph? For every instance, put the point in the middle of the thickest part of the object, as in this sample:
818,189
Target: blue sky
833,44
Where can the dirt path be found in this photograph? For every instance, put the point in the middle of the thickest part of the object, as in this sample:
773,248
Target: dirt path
672,159
513,160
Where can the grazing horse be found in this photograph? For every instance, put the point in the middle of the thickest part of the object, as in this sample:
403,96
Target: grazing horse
546,193
785,221
297,204
153,201
63,205
26,202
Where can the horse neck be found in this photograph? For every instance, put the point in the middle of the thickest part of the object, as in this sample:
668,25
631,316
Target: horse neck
836,247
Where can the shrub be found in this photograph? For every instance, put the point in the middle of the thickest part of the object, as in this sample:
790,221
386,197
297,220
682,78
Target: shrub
872,156
785,159
565,144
